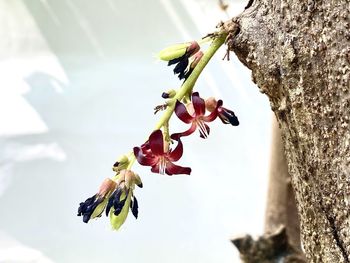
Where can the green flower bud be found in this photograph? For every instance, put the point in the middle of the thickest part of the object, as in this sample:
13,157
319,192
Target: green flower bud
138,181
169,94
121,163
99,209
118,220
178,50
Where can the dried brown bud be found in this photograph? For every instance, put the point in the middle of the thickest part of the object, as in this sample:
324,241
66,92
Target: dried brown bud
129,179
210,104
108,185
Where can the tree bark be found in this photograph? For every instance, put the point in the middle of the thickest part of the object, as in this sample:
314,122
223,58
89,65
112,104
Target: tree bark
299,55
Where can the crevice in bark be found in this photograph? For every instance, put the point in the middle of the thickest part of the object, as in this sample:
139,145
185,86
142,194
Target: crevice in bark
249,4
331,220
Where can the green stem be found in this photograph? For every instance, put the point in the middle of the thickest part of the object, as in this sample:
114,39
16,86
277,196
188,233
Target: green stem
188,84
131,162
166,132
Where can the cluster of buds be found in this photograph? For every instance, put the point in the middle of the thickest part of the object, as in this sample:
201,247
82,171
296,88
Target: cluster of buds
115,197
162,149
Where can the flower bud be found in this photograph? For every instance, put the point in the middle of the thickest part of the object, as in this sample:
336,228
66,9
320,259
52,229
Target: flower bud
169,94
178,50
107,186
227,116
121,163
118,219
185,72
94,206
97,212
138,181
129,179
194,60
120,177
210,104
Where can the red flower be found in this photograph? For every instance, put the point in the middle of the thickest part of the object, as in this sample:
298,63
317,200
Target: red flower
197,118
152,154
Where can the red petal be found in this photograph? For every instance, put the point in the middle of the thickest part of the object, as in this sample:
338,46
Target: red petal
182,113
176,154
155,169
212,116
144,159
177,136
176,169
198,104
145,146
156,142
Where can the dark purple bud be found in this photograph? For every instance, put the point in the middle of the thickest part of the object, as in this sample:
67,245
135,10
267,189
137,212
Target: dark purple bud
227,116
181,67
165,95
169,94
113,199
87,208
134,207
193,63
118,208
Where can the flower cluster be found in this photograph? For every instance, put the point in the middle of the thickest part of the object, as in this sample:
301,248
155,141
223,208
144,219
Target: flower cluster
162,149
155,152
115,197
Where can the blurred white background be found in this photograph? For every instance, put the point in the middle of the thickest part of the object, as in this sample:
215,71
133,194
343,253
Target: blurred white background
79,81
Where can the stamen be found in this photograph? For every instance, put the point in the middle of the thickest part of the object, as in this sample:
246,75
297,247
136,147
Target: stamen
162,165
202,128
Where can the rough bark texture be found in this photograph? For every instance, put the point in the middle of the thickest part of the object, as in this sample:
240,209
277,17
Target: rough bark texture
299,54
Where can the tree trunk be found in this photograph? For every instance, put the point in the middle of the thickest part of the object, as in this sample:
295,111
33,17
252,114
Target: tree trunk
299,55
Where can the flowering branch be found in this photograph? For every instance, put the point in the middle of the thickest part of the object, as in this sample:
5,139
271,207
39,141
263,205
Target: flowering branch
116,195
191,80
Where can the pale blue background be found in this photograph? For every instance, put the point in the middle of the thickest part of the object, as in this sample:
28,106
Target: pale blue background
78,83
